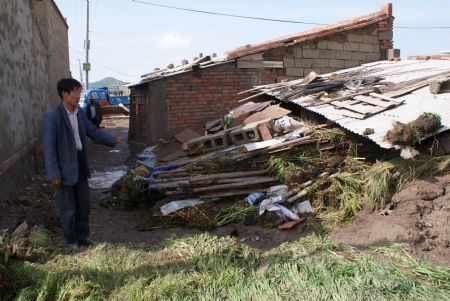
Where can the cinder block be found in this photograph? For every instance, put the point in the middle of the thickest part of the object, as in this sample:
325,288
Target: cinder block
298,72
343,55
327,54
366,47
297,52
322,44
393,53
303,63
336,63
359,56
385,35
311,53
334,45
373,56
351,64
368,39
320,63
354,38
246,134
289,62
351,46
210,142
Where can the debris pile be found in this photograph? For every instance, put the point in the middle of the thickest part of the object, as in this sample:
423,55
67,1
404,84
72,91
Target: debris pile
273,161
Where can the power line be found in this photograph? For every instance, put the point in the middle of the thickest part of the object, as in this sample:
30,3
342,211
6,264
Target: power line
226,15
268,19
103,65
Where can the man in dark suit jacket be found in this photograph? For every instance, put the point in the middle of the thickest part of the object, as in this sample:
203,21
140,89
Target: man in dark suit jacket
66,160
94,111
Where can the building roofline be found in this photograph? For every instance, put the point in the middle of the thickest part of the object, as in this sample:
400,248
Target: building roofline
58,11
312,34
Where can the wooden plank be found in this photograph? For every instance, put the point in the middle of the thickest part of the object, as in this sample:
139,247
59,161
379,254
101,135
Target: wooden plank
375,101
229,193
11,161
271,112
265,132
352,114
353,108
398,101
253,57
225,175
273,64
236,185
249,64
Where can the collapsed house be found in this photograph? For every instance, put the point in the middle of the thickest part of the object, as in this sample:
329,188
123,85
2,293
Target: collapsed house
167,101
318,144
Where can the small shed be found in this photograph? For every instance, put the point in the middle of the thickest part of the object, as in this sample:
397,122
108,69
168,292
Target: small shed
170,100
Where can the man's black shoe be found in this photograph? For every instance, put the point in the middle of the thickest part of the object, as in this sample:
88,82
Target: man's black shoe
86,242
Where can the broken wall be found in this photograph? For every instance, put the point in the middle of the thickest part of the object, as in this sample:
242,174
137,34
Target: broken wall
34,54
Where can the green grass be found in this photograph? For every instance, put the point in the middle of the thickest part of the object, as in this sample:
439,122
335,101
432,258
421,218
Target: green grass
206,267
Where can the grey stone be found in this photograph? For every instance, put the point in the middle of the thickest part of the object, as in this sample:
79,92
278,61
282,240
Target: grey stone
343,55
359,56
354,38
327,54
366,47
371,57
303,63
320,63
288,62
370,39
351,46
298,52
311,53
336,63
385,35
322,44
391,53
294,72
333,45
350,64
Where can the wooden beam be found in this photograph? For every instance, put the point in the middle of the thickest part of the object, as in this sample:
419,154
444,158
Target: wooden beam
11,161
236,185
375,101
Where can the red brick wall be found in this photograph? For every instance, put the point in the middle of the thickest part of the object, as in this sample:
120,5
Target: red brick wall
192,100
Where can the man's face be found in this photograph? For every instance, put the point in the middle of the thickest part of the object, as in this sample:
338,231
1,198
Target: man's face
72,97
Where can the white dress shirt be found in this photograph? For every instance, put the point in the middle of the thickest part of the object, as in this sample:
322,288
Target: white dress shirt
74,123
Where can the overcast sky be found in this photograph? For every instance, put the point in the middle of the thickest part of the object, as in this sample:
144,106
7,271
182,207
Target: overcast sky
129,39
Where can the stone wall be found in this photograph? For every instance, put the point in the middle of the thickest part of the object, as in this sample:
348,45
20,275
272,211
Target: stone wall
34,54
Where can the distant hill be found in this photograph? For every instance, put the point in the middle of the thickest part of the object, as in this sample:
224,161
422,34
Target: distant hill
107,82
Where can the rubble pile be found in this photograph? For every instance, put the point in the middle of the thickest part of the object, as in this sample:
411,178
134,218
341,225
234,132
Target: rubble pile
270,161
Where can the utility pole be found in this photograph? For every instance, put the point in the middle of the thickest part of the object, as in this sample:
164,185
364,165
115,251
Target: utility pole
87,66
81,73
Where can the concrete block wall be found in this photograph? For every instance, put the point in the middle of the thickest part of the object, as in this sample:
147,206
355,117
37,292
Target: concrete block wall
26,79
339,51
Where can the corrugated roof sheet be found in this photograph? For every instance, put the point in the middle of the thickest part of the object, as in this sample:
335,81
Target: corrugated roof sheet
415,104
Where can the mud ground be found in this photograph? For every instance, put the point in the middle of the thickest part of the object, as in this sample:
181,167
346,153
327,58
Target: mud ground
36,205
420,215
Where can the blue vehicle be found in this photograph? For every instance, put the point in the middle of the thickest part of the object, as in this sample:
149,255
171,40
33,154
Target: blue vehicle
110,104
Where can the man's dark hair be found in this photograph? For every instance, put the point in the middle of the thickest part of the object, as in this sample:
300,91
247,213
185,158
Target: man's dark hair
67,85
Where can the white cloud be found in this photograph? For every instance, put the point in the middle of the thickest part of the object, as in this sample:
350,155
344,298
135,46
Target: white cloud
173,41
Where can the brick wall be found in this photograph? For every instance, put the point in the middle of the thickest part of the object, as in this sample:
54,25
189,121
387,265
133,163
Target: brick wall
192,100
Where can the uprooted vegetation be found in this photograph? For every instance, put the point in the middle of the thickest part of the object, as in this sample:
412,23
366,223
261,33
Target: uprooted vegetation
415,131
337,174
208,267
